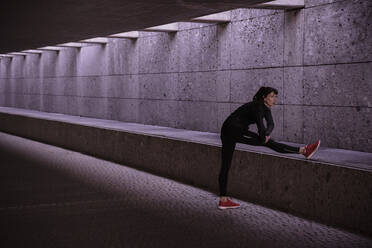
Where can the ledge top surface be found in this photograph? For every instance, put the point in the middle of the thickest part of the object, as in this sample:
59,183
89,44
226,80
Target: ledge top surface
340,157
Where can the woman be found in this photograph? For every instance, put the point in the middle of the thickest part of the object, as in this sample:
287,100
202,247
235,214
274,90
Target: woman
235,129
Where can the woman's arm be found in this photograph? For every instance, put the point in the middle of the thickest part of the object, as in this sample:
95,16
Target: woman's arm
264,132
270,122
260,125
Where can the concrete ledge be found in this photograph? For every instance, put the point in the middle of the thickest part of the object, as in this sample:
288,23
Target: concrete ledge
337,193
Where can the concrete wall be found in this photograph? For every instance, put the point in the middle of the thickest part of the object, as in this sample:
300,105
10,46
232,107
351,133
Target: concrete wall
319,58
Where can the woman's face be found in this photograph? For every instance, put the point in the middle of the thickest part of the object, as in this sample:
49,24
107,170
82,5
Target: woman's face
270,99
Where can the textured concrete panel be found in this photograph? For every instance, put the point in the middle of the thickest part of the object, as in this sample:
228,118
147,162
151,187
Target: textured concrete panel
246,14
123,109
338,33
245,84
114,86
339,127
3,83
293,121
94,60
95,107
91,86
30,86
54,103
27,85
2,99
66,64
19,85
158,53
32,101
17,67
121,86
299,187
45,103
319,190
245,177
48,64
223,86
11,100
52,86
277,113
293,37
257,42
70,85
14,85
125,53
198,49
34,86
61,104
334,187
201,116
22,84
19,100
340,85
224,46
8,99
279,184
204,86
32,65
7,85
293,89
158,86
158,112
223,111
5,67
72,106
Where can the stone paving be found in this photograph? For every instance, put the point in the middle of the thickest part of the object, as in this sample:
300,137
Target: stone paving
52,197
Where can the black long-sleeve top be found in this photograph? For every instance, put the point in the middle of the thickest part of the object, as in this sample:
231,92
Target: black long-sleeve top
253,113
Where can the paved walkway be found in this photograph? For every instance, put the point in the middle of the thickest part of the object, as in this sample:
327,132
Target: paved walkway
51,197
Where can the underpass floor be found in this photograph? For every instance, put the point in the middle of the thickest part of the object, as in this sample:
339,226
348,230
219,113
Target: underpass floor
53,197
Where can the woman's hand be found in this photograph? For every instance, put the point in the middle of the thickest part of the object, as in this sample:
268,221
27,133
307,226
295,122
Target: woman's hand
267,139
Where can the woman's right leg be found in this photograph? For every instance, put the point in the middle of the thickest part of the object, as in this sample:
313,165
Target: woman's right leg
282,148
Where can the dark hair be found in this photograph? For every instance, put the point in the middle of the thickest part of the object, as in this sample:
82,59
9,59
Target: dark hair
263,92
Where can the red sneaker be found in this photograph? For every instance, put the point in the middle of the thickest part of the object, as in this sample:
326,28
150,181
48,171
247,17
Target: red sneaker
311,149
228,204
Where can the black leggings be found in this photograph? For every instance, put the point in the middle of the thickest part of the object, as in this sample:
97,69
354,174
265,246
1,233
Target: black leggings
230,138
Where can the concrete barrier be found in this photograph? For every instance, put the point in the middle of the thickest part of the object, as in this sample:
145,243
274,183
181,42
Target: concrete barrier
329,193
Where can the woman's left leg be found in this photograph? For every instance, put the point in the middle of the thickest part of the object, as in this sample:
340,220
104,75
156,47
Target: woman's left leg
228,147
254,140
